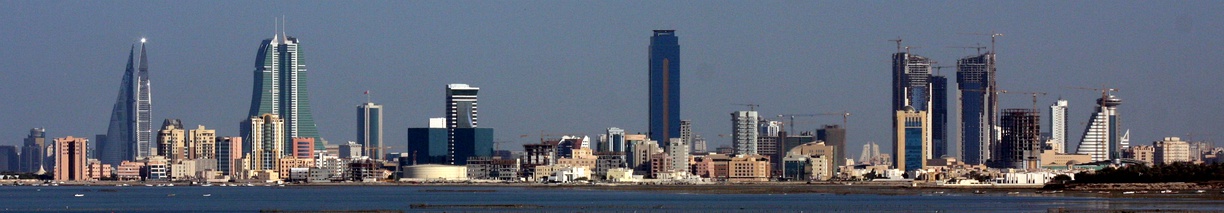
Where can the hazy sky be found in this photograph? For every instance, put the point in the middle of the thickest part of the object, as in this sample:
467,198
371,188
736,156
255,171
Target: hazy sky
581,66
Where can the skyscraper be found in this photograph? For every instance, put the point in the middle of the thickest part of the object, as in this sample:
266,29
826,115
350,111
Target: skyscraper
460,113
229,155
744,132
912,141
1020,147
202,143
280,89
130,132
1058,126
369,129
1101,135
616,140
664,86
33,151
70,158
834,135
172,140
686,133
975,79
267,141
939,116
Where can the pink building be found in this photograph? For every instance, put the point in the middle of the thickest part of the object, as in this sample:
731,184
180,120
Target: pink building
129,170
303,148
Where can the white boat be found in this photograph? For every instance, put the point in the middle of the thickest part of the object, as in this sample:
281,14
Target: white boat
1200,191
79,195
170,184
1166,191
207,195
1128,192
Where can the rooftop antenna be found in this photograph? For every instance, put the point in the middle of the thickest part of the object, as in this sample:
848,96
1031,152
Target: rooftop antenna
367,95
284,22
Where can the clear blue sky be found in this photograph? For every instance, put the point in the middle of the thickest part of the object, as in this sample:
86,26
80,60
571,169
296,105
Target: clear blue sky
580,66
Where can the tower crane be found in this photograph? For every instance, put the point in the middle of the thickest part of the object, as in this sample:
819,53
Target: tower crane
978,46
1104,90
751,107
992,35
845,117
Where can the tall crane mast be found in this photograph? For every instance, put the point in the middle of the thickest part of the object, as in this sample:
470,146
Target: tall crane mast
845,117
751,107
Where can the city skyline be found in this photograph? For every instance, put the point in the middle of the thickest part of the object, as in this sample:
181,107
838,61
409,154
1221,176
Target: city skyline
719,61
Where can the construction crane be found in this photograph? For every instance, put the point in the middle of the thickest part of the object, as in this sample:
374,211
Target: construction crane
751,107
978,46
845,117
1034,94
1104,90
992,35
898,40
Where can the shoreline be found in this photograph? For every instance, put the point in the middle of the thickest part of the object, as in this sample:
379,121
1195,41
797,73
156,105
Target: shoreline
1143,190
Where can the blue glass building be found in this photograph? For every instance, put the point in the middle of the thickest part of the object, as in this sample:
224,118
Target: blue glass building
939,116
428,145
975,80
664,86
472,142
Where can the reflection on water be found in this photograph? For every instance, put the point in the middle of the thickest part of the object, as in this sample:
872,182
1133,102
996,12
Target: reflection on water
465,199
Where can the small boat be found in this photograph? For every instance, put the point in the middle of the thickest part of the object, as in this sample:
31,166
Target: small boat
978,192
1013,193
170,195
1200,191
170,185
1128,192
1166,191
1103,192
207,195
79,195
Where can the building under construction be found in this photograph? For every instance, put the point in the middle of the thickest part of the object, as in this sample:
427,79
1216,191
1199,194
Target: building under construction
1021,145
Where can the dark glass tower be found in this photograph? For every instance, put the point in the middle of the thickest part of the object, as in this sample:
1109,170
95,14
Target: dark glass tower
939,116
130,131
664,86
975,78
280,89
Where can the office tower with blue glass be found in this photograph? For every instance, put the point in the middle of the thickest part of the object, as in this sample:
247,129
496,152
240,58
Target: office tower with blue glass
369,129
664,86
616,140
915,86
280,89
975,79
130,131
464,139
912,141
939,116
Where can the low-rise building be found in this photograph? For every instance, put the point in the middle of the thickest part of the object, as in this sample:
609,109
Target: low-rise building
129,170
1171,150
806,168
287,163
429,172
492,168
748,168
98,171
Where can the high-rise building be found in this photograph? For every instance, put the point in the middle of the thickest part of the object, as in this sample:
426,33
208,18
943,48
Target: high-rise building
130,132
912,143
369,129
475,142
686,132
280,89
835,136
172,140
1021,144
679,154
770,128
1058,126
616,140
975,79
699,144
8,159
871,150
267,141
664,86
744,132
1101,135
70,158
939,116
33,151
1171,150
202,143
461,112
229,155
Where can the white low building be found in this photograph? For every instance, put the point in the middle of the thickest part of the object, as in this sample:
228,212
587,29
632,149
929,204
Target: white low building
435,172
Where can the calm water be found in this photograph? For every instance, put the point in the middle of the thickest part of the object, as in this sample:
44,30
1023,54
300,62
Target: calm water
156,199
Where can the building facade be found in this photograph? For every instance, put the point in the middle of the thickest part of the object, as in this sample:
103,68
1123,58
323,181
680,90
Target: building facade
744,132
229,155
266,141
664,85
1101,135
70,158
835,135
1021,145
1171,150
369,128
912,142
172,140
461,112
202,143
280,89
33,152
129,135
975,79
1058,126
